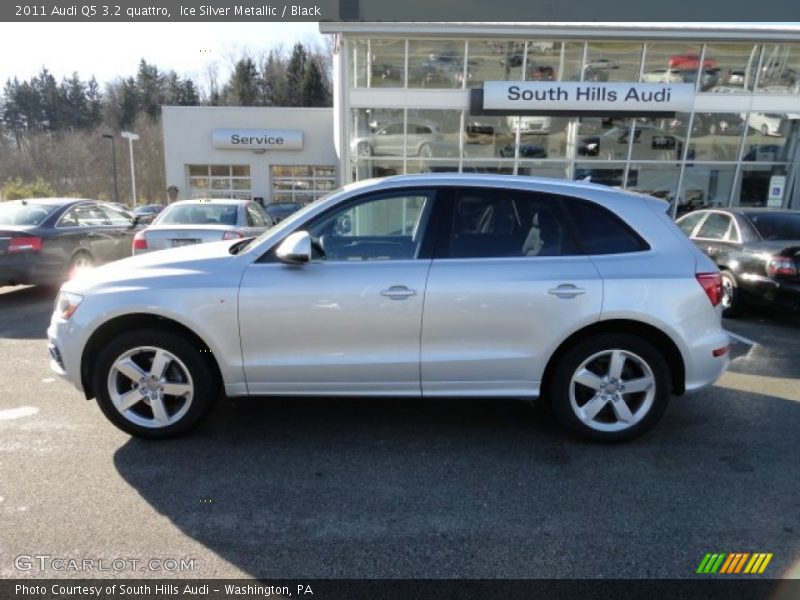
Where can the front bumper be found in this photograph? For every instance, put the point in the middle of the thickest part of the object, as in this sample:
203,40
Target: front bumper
65,348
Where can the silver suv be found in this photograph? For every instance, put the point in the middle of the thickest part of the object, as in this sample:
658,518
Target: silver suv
426,285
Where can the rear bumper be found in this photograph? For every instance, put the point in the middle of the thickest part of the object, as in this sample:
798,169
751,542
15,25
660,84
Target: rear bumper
704,335
27,269
782,294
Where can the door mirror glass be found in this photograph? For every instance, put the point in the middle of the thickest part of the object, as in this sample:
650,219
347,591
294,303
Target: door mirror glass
295,249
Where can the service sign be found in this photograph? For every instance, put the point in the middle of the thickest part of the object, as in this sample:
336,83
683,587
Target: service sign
576,97
257,139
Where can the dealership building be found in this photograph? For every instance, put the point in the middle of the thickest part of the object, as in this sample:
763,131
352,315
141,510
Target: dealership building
702,114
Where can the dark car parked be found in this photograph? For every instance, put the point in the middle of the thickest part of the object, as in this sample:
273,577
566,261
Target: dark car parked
45,241
278,211
757,251
147,212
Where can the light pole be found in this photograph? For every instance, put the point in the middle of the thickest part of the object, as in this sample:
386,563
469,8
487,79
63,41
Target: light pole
131,137
110,136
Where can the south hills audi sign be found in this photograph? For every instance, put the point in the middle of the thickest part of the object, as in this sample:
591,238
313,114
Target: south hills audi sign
574,97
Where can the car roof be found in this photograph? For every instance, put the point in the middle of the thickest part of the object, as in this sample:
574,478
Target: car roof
528,183
53,201
746,210
211,201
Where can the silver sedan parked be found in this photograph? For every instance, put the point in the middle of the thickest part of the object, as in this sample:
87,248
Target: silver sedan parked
426,285
190,222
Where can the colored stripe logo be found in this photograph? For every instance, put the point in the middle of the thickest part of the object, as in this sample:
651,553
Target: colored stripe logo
734,562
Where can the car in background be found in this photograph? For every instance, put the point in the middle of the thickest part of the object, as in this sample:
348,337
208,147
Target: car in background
526,150
663,76
191,222
706,124
709,77
389,139
529,124
690,61
278,211
147,212
757,251
769,123
650,143
45,241
413,286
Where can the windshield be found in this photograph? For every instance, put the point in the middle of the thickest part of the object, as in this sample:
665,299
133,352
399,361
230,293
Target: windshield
16,213
199,214
776,226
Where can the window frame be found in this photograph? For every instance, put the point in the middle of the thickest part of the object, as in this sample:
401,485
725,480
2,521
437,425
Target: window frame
430,225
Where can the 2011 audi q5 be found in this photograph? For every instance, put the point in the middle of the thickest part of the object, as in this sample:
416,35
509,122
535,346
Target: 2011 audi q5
426,285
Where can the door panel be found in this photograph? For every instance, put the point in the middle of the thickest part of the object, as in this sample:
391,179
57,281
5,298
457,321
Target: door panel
507,283
333,327
490,324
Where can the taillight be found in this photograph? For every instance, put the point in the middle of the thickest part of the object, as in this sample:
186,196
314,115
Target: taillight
782,265
17,245
712,286
139,241
232,235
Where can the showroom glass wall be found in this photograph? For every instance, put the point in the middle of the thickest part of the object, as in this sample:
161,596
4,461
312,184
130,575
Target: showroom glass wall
714,156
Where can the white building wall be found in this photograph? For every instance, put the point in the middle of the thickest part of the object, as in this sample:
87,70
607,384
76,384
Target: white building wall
187,141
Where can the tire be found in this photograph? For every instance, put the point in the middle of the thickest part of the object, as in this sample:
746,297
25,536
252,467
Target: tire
732,305
364,150
80,261
614,414
123,377
425,151
764,130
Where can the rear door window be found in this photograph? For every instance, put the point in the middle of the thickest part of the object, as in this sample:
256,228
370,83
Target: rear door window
715,227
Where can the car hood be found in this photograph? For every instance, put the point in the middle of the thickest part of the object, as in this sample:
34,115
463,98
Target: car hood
164,269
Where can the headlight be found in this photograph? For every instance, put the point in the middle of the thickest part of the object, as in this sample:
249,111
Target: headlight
67,303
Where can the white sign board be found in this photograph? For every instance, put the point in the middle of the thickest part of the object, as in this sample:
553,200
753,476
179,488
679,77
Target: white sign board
574,96
777,183
257,139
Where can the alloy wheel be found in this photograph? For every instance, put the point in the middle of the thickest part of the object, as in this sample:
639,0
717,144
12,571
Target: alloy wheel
612,390
150,387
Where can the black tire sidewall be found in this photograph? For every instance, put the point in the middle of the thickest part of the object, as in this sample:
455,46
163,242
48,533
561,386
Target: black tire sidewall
558,390
187,352
735,308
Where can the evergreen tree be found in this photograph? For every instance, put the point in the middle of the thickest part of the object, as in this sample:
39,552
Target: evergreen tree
315,92
94,101
295,74
149,87
243,89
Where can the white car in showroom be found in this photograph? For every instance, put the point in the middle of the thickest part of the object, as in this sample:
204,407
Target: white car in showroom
425,285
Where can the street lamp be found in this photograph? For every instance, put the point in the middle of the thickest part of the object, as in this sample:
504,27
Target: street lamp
131,137
110,136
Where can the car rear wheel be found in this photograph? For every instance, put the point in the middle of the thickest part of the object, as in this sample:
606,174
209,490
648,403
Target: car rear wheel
764,130
153,383
731,300
610,388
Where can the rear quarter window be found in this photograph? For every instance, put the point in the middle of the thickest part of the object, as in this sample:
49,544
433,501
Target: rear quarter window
600,231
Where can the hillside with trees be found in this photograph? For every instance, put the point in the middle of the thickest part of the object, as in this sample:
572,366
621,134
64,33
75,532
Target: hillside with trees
51,132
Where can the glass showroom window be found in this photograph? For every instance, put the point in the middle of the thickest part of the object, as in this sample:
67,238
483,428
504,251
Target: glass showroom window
220,181
298,183
674,63
612,61
378,62
494,61
780,69
755,184
715,136
705,185
603,138
654,179
735,67
436,64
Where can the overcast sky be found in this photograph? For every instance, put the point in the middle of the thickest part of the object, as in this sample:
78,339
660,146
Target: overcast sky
110,50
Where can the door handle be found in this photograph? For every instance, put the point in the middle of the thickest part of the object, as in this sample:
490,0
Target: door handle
566,290
398,292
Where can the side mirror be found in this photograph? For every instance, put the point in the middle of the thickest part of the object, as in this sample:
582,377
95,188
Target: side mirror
136,221
295,249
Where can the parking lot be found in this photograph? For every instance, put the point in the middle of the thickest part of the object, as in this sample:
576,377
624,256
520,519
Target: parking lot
322,488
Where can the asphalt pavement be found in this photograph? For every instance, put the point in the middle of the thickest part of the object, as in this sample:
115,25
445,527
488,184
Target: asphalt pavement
338,488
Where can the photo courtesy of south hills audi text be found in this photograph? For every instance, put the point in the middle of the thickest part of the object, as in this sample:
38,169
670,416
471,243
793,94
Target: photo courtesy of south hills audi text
119,590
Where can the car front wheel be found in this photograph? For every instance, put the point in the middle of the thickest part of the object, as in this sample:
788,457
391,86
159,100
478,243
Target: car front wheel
610,388
153,384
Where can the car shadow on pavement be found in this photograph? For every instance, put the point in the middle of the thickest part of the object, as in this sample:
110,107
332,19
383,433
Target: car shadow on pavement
337,488
25,311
